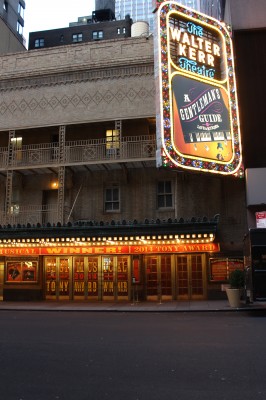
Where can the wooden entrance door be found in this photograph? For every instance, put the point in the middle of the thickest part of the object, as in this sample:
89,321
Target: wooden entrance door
159,277
191,277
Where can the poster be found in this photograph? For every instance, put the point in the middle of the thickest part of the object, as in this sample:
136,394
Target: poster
201,124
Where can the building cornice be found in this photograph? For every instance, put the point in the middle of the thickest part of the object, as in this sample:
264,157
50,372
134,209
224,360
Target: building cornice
69,77
77,58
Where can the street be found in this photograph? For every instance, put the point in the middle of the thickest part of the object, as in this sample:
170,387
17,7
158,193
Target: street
133,356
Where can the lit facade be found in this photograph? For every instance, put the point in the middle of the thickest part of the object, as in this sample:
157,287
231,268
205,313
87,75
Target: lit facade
197,107
86,214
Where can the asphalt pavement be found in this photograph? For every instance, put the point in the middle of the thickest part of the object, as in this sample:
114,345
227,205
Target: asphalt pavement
166,306
132,355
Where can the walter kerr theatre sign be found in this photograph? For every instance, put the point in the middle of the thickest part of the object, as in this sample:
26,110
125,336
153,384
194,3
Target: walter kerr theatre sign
197,111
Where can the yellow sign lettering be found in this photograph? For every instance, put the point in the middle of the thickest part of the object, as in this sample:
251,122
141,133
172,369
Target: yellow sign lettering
79,287
92,266
108,287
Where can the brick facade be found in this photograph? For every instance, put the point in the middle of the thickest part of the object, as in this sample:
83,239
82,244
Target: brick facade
90,88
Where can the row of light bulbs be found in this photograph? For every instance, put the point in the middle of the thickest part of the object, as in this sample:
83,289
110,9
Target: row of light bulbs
164,239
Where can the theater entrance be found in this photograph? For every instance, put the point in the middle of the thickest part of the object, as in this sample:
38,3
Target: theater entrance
58,274
191,277
159,277
115,278
87,278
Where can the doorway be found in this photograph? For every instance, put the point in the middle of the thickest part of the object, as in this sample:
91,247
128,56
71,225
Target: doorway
87,278
191,277
115,278
159,277
58,278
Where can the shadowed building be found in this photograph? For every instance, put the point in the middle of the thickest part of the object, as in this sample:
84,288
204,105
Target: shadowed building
11,26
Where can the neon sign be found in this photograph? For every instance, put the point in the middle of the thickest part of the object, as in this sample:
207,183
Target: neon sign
197,109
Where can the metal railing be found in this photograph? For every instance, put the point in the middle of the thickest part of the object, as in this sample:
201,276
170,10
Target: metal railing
79,152
30,214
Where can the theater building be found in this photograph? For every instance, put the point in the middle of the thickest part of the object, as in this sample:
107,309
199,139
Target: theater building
85,212
148,261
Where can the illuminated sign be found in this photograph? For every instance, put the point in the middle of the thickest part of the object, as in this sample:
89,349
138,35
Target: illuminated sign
197,110
100,250
220,268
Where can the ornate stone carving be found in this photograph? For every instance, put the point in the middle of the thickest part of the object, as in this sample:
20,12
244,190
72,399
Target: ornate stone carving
76,100
74,77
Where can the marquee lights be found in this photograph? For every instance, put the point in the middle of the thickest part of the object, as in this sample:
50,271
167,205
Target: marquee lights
137,240
198,107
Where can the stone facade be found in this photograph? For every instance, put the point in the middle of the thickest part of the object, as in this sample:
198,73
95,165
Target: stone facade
77,84
78,145
87,84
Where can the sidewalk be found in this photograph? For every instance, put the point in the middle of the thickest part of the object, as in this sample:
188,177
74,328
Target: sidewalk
171,306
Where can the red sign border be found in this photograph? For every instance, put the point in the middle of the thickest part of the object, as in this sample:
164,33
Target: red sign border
115,249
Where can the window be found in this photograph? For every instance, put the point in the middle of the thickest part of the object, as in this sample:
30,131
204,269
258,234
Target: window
111,201
5,6
77,37
124,30
21,10
39,43
19,28
16,144
97,35
164,194
118,31
112,141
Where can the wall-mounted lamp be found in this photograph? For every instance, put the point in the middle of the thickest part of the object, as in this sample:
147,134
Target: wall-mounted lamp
54,184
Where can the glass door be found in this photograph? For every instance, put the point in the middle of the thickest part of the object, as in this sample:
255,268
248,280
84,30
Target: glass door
108,278
79,284
191,277
93,278
64,279
115,278
50,278
122,278
85,278
58,278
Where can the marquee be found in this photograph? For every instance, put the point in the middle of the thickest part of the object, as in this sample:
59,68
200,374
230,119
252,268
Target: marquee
197,107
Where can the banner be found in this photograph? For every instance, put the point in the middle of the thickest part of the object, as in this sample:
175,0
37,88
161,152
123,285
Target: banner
115,249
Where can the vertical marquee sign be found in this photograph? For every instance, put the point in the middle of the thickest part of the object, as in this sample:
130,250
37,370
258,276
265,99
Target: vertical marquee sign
197,111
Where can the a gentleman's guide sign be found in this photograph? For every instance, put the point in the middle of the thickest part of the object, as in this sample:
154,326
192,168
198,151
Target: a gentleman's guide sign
197,110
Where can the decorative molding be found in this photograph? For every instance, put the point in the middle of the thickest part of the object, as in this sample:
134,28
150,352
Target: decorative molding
75,100
78,76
